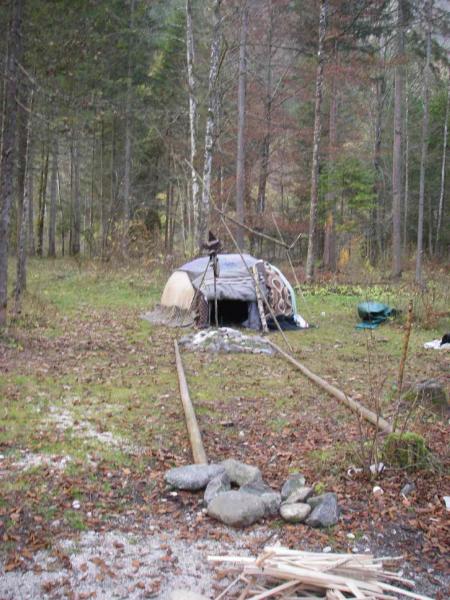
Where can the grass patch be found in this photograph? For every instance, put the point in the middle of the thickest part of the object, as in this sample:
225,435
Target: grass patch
75,520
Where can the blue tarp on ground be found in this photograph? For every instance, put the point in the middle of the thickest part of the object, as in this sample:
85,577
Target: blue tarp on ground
373,314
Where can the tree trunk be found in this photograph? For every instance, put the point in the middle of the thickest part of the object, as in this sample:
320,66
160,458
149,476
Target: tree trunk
61,211
127,166
53,201
329,249
30,184
378,214
424,145
406,190
265,145
22,133
397,147
444,156
210,124
168,206
21,273
8,147
311,256
240,164
102,195
42,201
190,58
76,201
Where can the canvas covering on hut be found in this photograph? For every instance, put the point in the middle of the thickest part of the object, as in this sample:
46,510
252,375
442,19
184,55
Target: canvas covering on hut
190,293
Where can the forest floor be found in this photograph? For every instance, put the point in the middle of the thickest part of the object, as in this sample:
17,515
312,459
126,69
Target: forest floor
91,419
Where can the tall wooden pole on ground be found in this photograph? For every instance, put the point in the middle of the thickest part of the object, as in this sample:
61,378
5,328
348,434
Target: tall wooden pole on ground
198,451
356,407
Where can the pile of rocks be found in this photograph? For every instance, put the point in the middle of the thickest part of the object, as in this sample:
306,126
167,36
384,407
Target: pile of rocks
225,339
236,495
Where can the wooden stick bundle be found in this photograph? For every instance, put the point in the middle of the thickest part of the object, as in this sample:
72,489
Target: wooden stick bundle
283,573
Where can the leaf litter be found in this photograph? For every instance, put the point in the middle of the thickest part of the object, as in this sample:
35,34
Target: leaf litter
66,519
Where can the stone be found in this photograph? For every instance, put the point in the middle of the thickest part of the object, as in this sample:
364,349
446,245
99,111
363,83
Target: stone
325,510
240,473
292,484
192,477
433,393
295,512
300,495
220,483
270,497
408,489
186,595
236,508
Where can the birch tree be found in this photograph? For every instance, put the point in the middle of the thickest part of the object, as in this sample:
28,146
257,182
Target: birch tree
211,120
190,60
442,184
311,256
240,155
397,159
424,142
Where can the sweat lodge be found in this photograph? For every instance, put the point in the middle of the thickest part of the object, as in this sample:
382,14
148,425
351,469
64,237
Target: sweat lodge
247,292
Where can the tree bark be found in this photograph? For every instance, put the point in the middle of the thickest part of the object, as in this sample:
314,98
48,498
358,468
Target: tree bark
406,190
8,147
21,272
76,201
268,100
30,184
192,84
127,166
22,133
61,211
444,156
210,135
311,256
329,249
379,210
53,201
240,162
102,198
424,145
398,142
42,201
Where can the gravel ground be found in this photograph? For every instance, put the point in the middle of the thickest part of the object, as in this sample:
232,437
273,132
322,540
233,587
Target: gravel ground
129,566
118,565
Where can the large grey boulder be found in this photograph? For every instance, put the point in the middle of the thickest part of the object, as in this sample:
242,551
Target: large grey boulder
240,473
236,508
192,477
292,484
270,497
295,512
220,483
325,510
300,495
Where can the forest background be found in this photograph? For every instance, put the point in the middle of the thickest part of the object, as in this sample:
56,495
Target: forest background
130,127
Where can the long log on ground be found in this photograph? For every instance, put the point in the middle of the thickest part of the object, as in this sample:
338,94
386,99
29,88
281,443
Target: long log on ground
355,406
198,451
